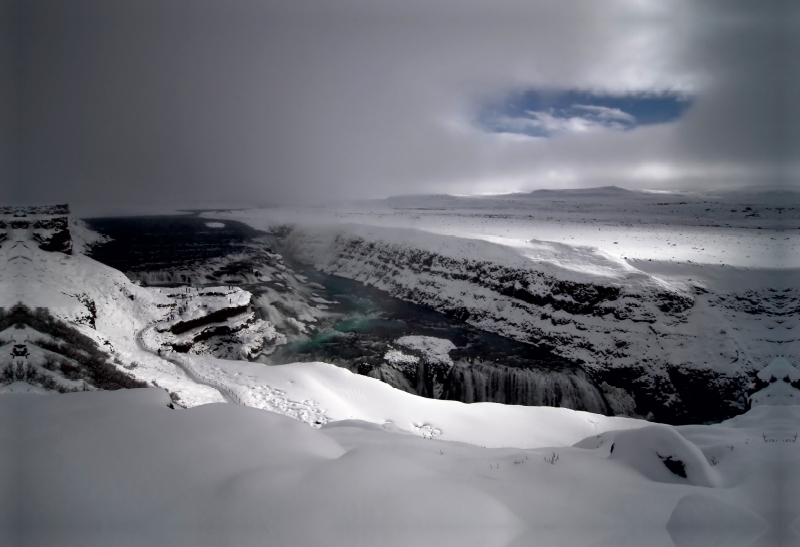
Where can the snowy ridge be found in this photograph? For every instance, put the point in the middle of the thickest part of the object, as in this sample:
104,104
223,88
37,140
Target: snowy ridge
84,238
100,302
320,393
284,298
146,337
740,229
215,321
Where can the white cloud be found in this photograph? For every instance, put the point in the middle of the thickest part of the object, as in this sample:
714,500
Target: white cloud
546,123
606,113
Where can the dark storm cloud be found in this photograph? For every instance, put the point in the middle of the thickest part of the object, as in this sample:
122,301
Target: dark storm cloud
253,103
8,164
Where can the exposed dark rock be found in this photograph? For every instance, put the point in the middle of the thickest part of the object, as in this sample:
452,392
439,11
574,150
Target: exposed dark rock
213,317
675,466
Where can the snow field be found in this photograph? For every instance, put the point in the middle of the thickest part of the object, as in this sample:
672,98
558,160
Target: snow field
226,474
736,229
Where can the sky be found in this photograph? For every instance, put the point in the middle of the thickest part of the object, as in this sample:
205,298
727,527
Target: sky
242,103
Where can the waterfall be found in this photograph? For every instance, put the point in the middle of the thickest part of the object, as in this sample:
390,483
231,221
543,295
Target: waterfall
565,386
481,382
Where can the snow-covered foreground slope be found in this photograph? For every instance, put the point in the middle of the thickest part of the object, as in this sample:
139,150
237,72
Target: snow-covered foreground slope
121,468
98,301
319,393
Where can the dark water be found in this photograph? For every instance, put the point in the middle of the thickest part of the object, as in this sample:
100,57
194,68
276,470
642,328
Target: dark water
372,313
365,321
160,242
165,242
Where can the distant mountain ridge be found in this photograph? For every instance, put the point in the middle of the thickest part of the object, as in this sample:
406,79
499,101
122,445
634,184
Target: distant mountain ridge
606,191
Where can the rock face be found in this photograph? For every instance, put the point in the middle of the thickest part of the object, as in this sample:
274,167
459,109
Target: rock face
684,352
217,321
48,225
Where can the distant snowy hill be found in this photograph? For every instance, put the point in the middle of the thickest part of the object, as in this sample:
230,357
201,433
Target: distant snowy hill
602,192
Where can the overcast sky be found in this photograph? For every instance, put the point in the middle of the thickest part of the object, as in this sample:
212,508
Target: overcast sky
247,103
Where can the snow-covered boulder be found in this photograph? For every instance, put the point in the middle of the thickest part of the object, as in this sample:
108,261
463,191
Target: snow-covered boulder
780,377
659,453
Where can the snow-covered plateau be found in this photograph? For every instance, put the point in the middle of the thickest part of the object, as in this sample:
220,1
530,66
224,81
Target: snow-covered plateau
233,451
